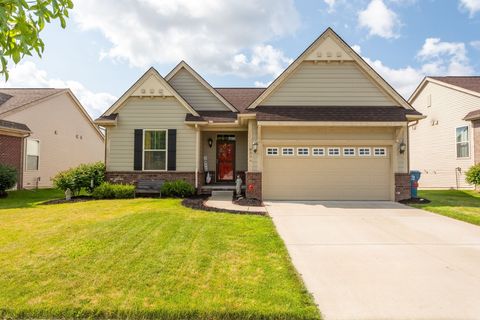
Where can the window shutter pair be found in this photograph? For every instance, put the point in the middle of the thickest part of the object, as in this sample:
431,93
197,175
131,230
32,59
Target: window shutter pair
171,150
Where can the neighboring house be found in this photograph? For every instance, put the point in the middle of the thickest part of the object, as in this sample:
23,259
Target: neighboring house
44,131
447,142
328,128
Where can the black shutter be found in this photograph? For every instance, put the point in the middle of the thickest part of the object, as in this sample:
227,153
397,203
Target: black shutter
172,149
138,150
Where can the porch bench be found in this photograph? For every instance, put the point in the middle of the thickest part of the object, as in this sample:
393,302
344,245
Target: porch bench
149,187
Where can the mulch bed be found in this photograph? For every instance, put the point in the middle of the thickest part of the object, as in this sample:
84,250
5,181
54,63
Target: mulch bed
415,201
198,203
248,202
73,200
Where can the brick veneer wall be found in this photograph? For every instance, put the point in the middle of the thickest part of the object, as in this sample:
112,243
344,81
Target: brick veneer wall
476,140
402,186
132,177
254,185
11,154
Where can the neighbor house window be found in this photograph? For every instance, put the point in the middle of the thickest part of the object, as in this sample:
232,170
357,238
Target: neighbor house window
287,151
303,151
380,152
318,152
348,152
333,151
33,154
364,152
155,150
272,151
463,141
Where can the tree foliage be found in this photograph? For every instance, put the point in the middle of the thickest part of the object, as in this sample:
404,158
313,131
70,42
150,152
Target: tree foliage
8,178
20,24
85,176
473,175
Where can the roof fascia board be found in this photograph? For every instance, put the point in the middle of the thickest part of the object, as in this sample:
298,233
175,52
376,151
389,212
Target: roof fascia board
332,123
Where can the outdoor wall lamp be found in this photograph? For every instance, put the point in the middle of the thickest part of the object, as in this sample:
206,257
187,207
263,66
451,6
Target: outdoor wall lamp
210,142
255,146
402,147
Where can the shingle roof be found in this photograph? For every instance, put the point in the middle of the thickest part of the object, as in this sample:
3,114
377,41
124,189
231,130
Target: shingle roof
473,115
240,98
112,117
332,113
470,83
4,124
13,98
215,116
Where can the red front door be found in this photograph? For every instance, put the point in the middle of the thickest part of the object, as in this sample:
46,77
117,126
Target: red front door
225,160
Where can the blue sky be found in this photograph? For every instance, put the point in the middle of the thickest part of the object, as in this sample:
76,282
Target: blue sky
108,44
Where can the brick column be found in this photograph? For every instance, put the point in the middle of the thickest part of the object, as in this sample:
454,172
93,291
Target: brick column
253,181
11,154
402,186
476,140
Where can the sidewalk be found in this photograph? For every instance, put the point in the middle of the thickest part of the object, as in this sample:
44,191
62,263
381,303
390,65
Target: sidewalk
223,200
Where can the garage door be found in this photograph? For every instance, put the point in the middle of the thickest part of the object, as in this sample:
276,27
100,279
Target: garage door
327,173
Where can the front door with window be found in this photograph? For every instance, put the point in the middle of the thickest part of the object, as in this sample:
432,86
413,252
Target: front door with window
225,161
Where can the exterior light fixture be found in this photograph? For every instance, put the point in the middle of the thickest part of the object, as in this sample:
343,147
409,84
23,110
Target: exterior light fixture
402,147
255,146
210,142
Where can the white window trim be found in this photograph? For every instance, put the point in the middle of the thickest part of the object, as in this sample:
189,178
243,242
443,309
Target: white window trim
318,155
379,155
166,150
272,148
365,155
288,155
26,155
456,143
303,155
349,155
334,155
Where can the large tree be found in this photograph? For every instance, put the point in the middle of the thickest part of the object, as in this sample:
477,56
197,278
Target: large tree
20,24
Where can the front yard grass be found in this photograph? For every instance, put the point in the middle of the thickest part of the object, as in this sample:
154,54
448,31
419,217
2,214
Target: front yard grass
458,204
144,258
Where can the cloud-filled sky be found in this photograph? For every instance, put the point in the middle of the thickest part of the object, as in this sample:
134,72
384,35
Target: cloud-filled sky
108,44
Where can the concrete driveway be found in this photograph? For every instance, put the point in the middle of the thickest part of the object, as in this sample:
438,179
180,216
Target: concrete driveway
382,260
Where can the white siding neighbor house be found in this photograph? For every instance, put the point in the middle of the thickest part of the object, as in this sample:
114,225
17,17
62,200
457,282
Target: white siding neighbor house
446,143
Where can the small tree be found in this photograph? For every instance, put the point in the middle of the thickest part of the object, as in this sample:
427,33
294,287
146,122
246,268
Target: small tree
473,175
8,178
85,176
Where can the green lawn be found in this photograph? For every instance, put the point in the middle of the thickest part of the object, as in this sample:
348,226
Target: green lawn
28,198
459,204
143,258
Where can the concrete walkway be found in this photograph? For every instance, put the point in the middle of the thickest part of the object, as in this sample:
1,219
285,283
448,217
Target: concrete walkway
223,200
382,260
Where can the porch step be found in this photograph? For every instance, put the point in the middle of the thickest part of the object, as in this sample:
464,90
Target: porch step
208,189
222,195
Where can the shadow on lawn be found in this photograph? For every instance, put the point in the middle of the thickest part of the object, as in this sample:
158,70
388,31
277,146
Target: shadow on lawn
28,198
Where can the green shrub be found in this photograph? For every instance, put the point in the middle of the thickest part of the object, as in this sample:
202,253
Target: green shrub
177,189
473,175
114,191
8,178
85,176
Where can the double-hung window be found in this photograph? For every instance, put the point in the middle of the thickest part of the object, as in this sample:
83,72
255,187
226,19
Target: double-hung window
462,142
33,154
155,150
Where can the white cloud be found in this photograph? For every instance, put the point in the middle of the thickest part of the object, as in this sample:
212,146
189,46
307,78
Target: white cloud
331,5
357,48
27,74
472,6
211,35
265,60
379,20
437,58
475,44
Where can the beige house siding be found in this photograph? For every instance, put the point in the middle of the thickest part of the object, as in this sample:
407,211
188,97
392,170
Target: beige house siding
66,137
328,84
211,153
149,113
199,97
432,144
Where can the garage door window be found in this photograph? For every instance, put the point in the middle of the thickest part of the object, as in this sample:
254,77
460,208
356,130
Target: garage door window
319,152
272,151
287,151
380,152
303,151
333,152
349,152
364,152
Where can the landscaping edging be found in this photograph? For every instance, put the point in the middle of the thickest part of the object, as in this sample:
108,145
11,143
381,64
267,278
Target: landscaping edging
73,200
198,203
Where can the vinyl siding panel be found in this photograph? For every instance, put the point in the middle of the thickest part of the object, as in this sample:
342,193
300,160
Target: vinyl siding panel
75,141
328,84
146,113
433,147
199,97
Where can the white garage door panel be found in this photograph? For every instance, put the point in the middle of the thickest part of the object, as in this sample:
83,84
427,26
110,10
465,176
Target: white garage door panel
327,178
